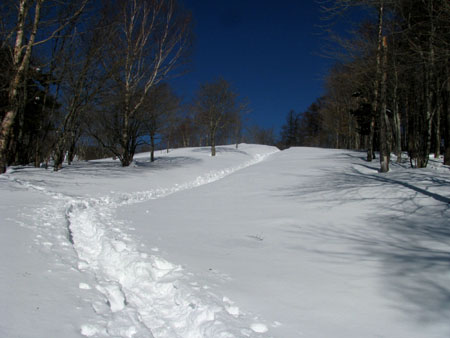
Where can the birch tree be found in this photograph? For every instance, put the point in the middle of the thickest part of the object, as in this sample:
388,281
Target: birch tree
147,40
32,24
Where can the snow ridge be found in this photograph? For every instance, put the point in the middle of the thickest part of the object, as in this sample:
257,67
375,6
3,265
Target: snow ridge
146,296
210,177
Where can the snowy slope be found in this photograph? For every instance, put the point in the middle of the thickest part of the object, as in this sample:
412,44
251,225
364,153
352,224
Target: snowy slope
123,290
317,241
253,243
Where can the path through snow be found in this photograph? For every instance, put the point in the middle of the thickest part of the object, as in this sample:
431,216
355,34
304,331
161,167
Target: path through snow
316,239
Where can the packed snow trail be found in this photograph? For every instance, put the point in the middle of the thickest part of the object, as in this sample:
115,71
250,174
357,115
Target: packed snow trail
145,295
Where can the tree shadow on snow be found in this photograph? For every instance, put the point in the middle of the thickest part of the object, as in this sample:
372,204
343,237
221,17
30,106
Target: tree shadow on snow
162,163
406,229
413,245
412,242
114,169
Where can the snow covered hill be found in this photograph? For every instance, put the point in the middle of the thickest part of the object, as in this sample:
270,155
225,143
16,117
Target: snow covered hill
252,243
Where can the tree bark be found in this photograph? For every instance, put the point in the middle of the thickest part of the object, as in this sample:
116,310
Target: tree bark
383,118
59,154
447,118
380,98
437,125
21,59
396,117
71,150
429,63
152,147
370,154
213,142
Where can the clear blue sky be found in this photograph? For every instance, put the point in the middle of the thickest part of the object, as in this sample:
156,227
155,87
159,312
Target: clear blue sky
268,50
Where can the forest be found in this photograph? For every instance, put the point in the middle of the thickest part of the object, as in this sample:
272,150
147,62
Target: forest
389,89
89,79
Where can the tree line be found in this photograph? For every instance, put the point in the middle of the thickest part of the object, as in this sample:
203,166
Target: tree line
390,89
90,78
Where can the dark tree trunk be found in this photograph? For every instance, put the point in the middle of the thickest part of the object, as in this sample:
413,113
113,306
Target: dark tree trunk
152,147
213,143
430,92
383,118
437,128
447,119
37,157
126,157
396,118
380,97
370,153
59,155
72,149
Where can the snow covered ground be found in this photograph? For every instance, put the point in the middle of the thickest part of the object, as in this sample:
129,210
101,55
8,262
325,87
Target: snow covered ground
252,243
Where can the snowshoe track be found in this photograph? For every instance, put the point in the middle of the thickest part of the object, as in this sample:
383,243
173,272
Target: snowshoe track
145,295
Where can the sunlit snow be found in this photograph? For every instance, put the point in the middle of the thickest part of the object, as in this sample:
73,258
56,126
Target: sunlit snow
251,243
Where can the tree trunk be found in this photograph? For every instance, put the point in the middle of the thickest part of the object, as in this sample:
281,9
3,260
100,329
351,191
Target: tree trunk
125,158
379,103
429,94
396,118
152,147
59,154
447,119
17,145
213,142
424,153
383,118
437,128
21,59
37,157
370,154
72,148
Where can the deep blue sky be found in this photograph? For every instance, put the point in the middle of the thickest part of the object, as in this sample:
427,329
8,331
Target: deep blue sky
268,50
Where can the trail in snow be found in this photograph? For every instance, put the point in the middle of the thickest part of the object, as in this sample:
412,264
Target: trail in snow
314,238
145,294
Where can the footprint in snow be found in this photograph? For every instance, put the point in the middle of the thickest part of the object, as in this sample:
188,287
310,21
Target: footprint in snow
84,286
276,324
230,308
259,327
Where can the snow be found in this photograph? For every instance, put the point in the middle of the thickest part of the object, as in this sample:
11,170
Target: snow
251,243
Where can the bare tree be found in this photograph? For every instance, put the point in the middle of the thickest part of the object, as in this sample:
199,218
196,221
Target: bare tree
149,38
380,98
217,106
259,135
27,33
81,78
187,130
157,111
